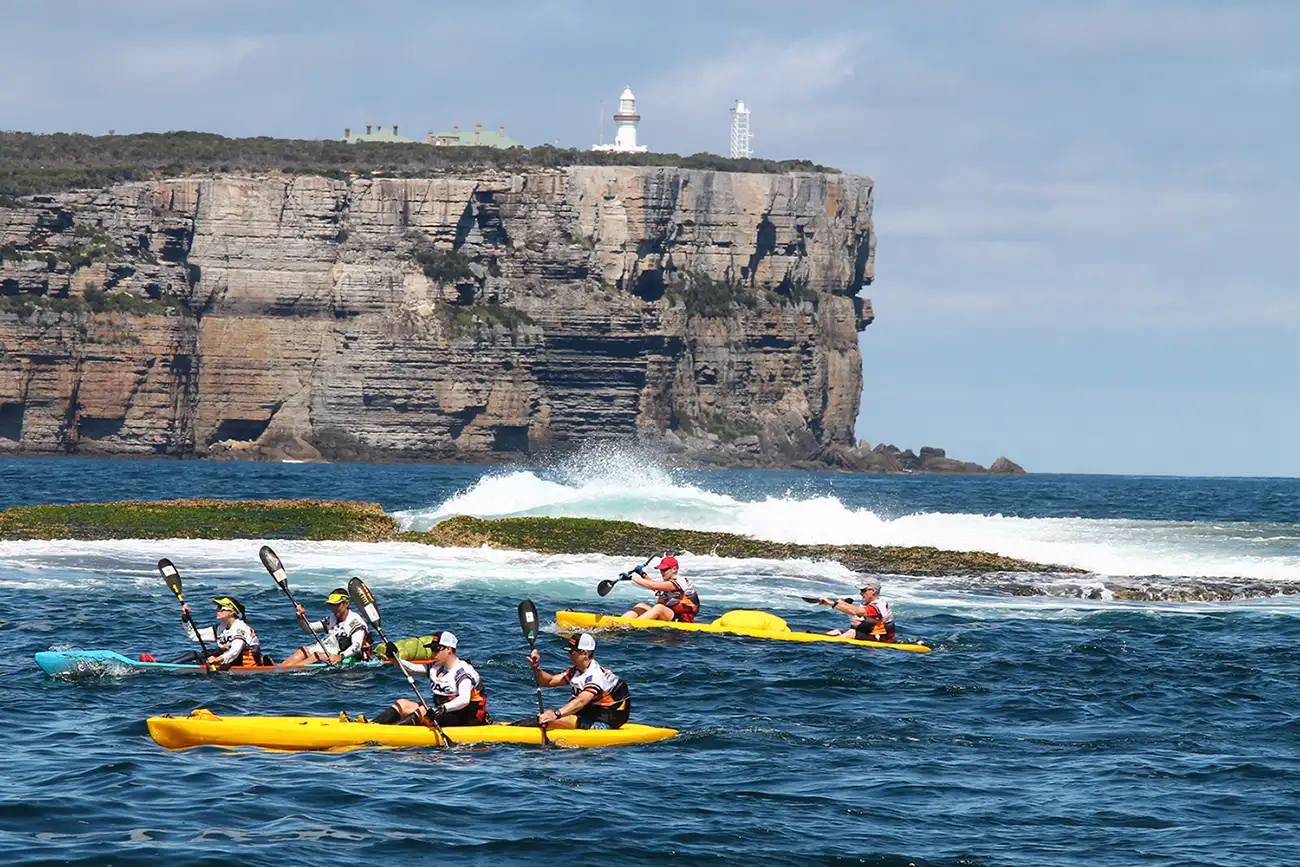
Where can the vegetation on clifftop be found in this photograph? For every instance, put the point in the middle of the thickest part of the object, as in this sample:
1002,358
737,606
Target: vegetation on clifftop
64,161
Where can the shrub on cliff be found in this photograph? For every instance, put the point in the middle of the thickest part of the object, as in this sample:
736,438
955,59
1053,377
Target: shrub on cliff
62,161
443,266
702,295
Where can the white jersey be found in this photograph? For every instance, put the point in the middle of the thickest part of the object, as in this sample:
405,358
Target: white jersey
607,685
231,640
453,688
346,638
882,608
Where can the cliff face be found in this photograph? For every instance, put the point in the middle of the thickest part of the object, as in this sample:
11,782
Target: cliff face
454,317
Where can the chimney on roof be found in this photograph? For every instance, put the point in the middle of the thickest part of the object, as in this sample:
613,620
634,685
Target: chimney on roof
367,129
347,132
394,129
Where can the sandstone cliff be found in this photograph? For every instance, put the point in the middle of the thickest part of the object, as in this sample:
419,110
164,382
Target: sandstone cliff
462,316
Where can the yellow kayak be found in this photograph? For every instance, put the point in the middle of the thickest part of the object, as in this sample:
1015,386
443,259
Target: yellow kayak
755,624
295,733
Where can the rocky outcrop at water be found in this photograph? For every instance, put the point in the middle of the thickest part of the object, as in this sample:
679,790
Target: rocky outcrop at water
477,315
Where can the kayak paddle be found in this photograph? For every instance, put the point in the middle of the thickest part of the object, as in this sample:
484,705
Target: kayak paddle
528,623
276,568
607,585
364,602
817,600
173,578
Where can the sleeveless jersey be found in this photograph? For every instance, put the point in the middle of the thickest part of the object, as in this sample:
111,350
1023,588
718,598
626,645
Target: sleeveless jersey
346,638
609,687
236,643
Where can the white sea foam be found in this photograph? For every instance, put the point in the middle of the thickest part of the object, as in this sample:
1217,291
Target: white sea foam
636,490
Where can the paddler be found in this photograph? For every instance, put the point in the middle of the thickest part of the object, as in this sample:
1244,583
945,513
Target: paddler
236,642
675,596
873,620
347,638
600,697
458,694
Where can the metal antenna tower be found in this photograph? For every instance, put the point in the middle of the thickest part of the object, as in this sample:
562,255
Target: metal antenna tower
740,132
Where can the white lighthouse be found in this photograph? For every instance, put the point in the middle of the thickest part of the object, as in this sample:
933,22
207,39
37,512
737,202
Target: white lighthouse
625,120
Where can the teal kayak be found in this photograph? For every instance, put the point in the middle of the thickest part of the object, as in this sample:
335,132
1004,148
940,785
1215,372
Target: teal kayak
109,663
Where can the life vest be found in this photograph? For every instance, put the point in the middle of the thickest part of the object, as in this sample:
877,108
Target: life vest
445,683
684,602
882,629
224,637
611,691
339,635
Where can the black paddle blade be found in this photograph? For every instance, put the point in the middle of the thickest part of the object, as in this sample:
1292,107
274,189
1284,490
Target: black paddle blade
528,619
171,576
364,601
274,566
605,586
815,600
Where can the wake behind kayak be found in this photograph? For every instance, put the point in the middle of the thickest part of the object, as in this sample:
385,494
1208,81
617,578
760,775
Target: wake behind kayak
110,663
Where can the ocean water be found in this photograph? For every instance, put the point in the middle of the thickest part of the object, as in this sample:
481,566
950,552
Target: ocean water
1061,727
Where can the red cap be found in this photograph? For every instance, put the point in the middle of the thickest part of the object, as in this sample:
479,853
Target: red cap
669,562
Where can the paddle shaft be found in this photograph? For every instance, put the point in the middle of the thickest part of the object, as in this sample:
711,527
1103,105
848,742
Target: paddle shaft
528,623
537,685
282,581
357,588
173,581
607,585
817,600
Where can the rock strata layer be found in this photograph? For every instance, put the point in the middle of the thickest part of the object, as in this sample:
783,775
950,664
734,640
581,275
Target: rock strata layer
470,316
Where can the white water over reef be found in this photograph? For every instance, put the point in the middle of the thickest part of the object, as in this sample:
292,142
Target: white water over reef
625,486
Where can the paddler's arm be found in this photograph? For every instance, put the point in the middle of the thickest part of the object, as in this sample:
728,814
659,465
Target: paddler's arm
412,667
845,606
542,677
650,583
304,625
464,690
233,652
356,645
577,703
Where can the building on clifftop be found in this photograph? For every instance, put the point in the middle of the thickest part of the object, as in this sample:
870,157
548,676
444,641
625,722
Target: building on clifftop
625,120
479,138
380,135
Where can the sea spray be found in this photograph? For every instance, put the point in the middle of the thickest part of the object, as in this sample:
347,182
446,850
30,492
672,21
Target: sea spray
604,488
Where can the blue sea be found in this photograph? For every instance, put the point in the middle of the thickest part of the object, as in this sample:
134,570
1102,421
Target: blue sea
1052,724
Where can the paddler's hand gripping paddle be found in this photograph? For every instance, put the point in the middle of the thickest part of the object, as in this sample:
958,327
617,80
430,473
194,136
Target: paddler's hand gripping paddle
173,578
607,585
276,568
528,623
363,601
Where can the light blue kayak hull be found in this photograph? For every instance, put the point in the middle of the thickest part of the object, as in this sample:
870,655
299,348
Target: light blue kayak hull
109,663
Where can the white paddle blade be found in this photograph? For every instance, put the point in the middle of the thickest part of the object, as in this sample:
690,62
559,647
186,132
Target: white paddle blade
273,565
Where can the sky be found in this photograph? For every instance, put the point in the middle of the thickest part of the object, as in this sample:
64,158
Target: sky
1088,214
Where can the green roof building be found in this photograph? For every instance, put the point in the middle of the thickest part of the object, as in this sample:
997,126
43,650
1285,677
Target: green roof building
478,137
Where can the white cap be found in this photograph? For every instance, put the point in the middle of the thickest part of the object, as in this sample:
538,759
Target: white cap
443,639
583,641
